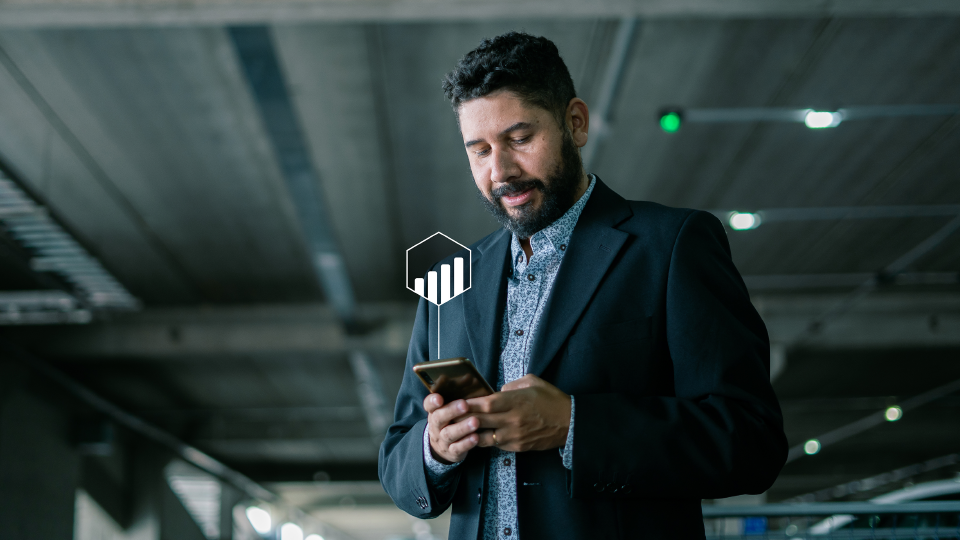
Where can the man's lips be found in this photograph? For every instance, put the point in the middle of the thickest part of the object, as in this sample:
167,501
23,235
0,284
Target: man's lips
516,199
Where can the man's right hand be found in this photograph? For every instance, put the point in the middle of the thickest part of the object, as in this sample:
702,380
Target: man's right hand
451,436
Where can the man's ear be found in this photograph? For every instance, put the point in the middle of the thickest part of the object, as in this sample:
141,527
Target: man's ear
578,121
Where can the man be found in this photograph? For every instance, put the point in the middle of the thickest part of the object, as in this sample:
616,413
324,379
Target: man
634,372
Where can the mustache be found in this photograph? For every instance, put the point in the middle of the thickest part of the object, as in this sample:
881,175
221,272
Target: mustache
514,188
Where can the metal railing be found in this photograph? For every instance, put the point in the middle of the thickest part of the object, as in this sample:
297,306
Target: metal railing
935,520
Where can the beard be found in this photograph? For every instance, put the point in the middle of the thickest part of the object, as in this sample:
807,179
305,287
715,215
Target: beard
556,195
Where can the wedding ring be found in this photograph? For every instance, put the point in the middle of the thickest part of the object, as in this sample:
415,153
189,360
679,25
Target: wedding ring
495,443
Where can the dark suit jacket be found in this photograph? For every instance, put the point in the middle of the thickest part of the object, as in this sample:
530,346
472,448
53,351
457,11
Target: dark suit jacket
649,326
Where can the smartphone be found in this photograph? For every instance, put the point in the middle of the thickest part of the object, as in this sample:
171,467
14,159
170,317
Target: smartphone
453,378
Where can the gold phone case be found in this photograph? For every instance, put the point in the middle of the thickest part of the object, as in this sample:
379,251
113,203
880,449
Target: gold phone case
452,378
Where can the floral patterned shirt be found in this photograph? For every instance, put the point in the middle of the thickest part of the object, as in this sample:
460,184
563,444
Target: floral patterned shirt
528,287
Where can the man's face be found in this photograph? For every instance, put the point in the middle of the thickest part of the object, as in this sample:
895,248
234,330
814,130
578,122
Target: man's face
527,169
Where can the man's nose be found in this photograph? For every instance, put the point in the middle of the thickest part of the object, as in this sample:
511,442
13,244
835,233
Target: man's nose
504,168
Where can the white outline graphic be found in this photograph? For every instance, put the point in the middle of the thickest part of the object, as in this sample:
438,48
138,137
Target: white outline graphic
428,290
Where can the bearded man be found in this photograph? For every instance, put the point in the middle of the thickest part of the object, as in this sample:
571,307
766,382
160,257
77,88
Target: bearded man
633,369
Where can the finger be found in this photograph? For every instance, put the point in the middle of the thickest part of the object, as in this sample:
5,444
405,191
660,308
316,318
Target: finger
496,402
485,439
515,385
507,439
463,445
491,421
454,432
432,402
523,382
449,412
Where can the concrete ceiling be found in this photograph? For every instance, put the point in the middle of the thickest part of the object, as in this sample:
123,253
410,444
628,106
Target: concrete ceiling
146,140
148,143
98,13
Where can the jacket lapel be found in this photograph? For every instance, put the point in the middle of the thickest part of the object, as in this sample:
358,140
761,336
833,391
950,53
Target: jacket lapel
483,306
593,247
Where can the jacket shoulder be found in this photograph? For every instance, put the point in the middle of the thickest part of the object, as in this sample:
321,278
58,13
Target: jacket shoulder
654,217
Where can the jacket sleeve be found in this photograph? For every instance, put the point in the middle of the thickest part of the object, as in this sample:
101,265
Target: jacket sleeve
721,433
401,467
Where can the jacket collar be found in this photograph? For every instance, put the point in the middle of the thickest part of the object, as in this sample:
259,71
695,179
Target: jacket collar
593,247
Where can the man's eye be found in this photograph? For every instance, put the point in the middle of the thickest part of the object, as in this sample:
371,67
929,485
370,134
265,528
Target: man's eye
481,153
522,140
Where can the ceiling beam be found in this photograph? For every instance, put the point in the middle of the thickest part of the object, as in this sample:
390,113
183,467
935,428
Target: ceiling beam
78,13
886,274
877,418
832,213
377,410
611,82
292,450
258,58
884,319
203,332
846,280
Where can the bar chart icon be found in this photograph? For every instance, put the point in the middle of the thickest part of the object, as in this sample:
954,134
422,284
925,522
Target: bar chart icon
438,283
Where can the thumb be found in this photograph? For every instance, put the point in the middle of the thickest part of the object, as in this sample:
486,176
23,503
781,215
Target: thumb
432,403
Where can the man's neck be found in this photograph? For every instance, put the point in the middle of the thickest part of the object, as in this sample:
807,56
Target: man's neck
584,184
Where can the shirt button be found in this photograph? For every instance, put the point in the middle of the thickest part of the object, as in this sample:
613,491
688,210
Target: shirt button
507,531
506,462
563,247
519,332
531,277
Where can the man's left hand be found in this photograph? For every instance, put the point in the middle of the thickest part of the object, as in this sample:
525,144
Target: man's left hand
527,414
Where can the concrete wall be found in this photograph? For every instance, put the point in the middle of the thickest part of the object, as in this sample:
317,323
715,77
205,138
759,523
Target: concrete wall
46,478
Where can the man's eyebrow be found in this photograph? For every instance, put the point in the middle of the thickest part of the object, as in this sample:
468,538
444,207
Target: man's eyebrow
514,127
518,125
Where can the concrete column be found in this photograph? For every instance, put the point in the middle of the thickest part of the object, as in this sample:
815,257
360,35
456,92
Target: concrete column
157,512
39,468
229,497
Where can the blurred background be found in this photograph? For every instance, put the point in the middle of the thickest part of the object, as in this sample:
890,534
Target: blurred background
205,208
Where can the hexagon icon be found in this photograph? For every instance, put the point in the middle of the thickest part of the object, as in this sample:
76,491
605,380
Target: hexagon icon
451,280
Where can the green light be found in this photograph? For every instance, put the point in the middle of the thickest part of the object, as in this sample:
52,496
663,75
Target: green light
670,122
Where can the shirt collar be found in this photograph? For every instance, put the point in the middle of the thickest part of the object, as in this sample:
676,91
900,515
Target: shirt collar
557,233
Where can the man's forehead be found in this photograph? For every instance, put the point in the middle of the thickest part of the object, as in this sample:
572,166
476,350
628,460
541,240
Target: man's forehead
496,112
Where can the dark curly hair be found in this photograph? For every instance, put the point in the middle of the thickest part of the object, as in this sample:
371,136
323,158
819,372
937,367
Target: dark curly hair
529,66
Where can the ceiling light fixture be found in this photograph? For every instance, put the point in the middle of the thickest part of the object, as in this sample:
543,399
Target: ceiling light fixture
291,531
814,119
822,119
893,413
811,447
743,221
259,518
